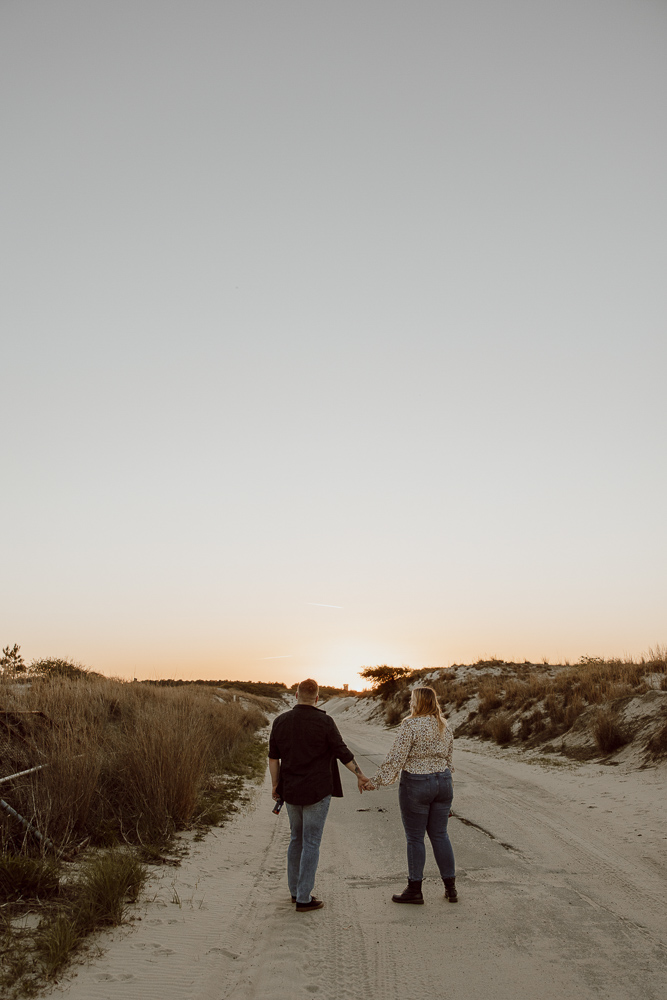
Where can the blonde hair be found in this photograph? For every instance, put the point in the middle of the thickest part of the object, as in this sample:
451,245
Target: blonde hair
424,701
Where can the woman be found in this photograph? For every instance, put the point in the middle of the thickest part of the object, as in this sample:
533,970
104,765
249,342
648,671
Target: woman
422,754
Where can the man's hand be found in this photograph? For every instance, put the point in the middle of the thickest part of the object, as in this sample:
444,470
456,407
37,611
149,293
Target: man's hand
361,777
274,771
364,784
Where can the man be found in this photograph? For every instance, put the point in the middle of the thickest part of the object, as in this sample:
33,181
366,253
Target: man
303,748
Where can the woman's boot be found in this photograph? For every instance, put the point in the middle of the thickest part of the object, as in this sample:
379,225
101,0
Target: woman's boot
450,890
411,894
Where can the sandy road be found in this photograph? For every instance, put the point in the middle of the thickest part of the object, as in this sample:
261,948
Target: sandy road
561,871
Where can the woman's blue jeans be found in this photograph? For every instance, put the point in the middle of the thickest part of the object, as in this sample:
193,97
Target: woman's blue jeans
303,853
425,801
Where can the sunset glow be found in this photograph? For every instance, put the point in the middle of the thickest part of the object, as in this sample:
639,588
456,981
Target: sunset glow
357,303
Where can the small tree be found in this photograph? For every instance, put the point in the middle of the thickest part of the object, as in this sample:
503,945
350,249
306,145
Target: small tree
12,662
385,680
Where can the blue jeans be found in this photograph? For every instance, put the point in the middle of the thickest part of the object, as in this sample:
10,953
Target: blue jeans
425,801
303,853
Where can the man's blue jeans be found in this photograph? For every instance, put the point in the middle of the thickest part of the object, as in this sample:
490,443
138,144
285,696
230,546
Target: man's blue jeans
425,801
303,853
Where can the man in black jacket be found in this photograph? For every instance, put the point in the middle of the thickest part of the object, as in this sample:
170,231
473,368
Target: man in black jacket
303,749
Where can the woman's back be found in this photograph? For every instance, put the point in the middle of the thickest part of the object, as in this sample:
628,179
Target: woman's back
419,748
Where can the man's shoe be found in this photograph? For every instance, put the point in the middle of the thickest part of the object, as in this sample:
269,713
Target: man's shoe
411,894
293,899
450,890
314,904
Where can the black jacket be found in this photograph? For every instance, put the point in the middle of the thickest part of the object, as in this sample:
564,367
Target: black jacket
307,743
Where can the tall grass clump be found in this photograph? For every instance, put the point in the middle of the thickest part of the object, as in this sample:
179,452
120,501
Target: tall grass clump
127,762
608,733
657,745
127,765
106,886
500,728
23,877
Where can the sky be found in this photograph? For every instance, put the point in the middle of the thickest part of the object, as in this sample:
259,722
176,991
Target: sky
334,334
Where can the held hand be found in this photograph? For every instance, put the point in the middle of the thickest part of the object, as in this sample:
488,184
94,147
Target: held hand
362,783
369,786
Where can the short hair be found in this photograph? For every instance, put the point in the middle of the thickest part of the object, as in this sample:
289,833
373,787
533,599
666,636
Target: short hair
308,689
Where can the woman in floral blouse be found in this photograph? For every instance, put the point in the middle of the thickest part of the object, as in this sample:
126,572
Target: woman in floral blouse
422,755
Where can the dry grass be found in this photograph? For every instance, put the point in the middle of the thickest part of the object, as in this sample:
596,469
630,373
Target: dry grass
657,745
538,701
608,732
126,761
127,765
106,884
500,728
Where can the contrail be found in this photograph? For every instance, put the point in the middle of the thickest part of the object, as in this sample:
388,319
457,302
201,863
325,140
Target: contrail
284,656
315,605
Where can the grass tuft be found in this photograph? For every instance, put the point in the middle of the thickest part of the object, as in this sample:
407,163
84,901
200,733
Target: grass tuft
609,735
127,764
109,883
500,728
56,941
23,877
657,745
99,898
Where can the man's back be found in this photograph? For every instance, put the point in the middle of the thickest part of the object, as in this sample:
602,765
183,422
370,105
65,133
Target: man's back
307,742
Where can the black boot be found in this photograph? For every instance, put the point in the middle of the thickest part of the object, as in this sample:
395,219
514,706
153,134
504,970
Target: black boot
450,890
411,894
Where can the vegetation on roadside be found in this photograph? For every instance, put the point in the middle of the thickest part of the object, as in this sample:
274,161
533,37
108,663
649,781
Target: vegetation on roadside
262,689
530,704
128,765
65,910
14,667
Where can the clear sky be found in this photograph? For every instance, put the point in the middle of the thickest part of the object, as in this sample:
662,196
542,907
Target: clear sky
354,303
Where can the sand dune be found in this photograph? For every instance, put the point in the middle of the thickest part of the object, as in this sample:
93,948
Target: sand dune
561,872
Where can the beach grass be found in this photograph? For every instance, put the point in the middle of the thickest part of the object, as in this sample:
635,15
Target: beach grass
532,703
128,765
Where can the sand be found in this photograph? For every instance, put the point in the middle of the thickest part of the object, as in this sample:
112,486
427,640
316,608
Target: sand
561,875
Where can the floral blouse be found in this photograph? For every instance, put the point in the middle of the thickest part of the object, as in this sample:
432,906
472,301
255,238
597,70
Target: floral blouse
419,748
